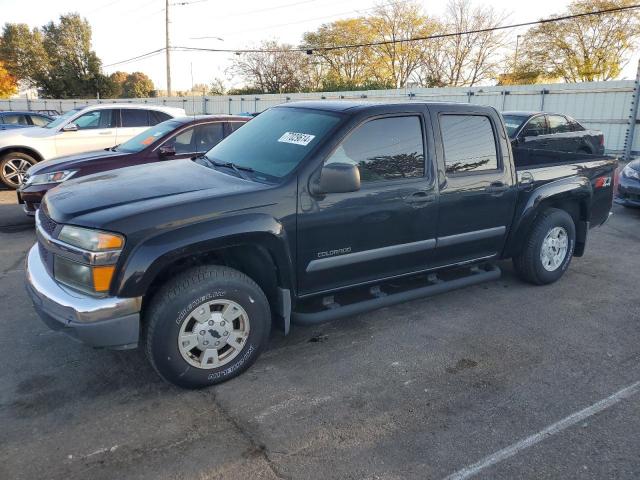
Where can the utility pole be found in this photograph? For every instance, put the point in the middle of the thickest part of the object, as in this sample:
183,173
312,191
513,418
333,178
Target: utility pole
167,49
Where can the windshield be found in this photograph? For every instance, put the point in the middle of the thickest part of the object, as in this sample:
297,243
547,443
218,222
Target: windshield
148,137
276,141
513,123
62,118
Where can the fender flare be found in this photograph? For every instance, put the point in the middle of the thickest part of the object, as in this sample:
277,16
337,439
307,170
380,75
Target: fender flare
29,150
576,189
153,254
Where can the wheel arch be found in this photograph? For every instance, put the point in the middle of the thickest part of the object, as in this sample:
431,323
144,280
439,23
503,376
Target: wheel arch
32,152
572,195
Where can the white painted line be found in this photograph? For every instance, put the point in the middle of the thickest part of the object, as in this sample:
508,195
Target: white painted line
557,427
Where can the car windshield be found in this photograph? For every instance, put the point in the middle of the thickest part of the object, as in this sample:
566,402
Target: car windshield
513,123
148,137
62,118
275,142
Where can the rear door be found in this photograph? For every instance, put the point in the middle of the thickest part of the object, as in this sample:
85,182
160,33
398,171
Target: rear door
386,228
132,122
96,130
477,193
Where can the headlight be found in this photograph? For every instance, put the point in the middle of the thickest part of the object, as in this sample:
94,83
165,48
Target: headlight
92,240
88,278
53,177
630,172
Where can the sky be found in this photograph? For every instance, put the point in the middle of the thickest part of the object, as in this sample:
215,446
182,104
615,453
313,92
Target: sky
126,28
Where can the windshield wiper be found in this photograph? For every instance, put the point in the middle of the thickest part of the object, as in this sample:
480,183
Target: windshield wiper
236,168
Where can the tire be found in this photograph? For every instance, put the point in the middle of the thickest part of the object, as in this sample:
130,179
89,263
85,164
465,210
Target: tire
529,263
189,307
13,166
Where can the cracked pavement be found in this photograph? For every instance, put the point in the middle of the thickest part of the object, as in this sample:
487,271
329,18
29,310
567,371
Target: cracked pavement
419,390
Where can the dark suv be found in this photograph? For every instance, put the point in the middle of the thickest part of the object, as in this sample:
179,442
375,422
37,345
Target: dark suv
173,139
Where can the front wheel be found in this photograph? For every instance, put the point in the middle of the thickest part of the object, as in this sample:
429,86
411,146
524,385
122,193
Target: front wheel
206,326
13,167
548,249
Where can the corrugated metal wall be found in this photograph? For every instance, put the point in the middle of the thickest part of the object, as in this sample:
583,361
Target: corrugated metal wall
601,105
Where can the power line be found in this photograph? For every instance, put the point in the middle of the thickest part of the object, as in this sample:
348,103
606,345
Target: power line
387,42
139,57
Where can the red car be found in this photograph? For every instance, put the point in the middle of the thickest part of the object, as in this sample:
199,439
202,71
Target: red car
173,139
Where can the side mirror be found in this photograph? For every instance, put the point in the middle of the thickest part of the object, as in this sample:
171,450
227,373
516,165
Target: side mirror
167,150
70,127
339,178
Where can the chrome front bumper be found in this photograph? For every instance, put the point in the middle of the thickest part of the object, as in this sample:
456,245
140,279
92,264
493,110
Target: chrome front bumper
110,322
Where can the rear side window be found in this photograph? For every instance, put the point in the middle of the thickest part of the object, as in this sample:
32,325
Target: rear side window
15,119
233,126
156,117
469,143
132,117
384,149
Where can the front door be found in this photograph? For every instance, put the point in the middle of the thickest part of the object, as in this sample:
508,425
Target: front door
96,130
477,198
386,228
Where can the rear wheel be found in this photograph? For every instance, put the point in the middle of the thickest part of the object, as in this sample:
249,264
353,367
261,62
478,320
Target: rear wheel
13,167
548,249
206,326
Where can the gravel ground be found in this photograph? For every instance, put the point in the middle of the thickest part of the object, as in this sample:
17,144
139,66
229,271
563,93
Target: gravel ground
420,390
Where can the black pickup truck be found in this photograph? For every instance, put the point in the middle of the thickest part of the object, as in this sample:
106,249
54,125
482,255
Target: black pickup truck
312,211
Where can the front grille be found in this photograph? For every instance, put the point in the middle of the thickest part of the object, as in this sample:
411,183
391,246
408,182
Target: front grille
46,223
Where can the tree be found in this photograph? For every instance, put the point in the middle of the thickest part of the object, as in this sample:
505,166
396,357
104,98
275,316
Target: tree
585,49
216,87
345,68
118,78
397,21
8,83
137,85
276,69
465,60
57,59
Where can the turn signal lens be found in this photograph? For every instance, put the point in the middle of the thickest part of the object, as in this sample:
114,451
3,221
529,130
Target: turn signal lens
102,278
109,242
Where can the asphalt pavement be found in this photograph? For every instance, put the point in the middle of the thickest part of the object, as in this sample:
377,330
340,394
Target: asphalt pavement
479,380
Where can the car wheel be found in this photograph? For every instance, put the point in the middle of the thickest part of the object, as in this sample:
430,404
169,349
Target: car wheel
206,326
13,167
548,249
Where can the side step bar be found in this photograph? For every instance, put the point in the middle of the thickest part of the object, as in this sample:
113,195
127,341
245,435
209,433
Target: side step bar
478,275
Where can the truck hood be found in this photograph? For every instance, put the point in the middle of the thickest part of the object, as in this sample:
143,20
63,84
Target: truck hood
137,189
69,162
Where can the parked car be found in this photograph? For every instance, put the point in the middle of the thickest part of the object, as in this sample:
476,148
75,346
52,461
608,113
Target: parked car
628,193
310,212
551,131
11,119
79,130
183,137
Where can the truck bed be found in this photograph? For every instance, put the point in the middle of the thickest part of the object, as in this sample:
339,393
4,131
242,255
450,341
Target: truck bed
528,158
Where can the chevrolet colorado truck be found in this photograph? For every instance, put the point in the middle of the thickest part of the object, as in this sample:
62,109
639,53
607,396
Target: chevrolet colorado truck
311,212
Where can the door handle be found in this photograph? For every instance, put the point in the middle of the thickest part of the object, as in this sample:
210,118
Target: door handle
420,197
497,187
105,133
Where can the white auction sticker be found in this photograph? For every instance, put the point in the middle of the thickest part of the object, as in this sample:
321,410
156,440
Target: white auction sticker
296,138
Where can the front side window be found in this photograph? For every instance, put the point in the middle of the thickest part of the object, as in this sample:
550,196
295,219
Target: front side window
39,121
148,137
558,124
183,142
384,149
156,117
469,143
56,122
537,126
96,119
208,135
276,141
133,117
